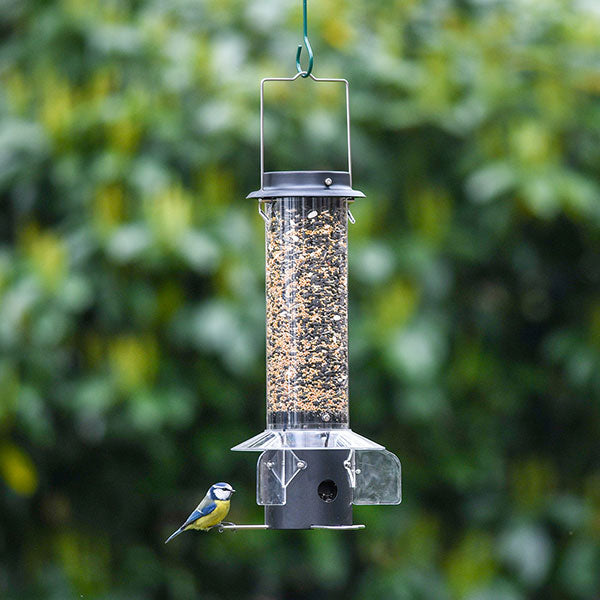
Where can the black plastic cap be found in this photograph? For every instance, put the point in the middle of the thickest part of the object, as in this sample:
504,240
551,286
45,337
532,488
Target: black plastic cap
320,184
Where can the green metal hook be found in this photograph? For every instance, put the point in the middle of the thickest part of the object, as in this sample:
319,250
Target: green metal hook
308,47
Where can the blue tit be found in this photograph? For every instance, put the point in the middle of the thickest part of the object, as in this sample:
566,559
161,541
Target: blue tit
211,511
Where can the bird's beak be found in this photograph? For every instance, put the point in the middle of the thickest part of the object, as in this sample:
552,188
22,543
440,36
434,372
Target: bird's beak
232,490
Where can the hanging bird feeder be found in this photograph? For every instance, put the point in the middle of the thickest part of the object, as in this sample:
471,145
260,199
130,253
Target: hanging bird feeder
313,468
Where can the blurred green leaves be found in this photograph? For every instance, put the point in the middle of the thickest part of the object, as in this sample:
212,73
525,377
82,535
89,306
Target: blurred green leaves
132,308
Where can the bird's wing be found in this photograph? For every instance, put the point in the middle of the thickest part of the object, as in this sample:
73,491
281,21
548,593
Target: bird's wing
204,502
206,506
201,511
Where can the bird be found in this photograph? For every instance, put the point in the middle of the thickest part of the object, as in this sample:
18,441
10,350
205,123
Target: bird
212,509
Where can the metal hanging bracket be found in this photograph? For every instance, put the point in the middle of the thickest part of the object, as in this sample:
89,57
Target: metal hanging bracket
262,117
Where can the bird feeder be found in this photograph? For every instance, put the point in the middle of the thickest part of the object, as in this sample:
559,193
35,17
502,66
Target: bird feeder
312,468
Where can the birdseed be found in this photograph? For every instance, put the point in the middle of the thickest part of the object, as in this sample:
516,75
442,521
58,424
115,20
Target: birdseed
307,312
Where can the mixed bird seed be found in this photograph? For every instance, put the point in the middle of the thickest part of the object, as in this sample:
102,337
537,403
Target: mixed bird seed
307,312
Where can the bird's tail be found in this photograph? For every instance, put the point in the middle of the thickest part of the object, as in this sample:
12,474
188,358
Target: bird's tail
180,530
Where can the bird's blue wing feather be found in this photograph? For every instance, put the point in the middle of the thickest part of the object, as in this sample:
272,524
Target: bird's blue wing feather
201,511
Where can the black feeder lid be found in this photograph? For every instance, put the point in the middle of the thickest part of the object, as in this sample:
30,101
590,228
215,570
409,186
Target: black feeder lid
319,184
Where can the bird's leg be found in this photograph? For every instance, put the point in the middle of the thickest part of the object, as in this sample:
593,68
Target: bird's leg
221,526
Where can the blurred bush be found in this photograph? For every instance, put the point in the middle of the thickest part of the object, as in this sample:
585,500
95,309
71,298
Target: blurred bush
131,292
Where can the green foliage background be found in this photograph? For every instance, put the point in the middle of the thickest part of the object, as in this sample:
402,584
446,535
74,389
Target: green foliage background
132,304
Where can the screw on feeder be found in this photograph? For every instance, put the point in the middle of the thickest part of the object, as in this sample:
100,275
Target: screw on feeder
328,181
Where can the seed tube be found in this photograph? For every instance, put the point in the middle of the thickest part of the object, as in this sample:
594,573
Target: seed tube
307,312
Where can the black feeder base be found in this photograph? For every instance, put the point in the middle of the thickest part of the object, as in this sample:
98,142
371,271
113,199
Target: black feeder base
318,495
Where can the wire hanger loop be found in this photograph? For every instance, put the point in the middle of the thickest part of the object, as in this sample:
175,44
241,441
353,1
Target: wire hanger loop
307,44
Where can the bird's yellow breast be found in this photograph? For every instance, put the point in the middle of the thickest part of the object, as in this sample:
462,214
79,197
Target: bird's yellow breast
216,516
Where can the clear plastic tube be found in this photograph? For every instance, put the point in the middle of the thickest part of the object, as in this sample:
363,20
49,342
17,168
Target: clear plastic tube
307,312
